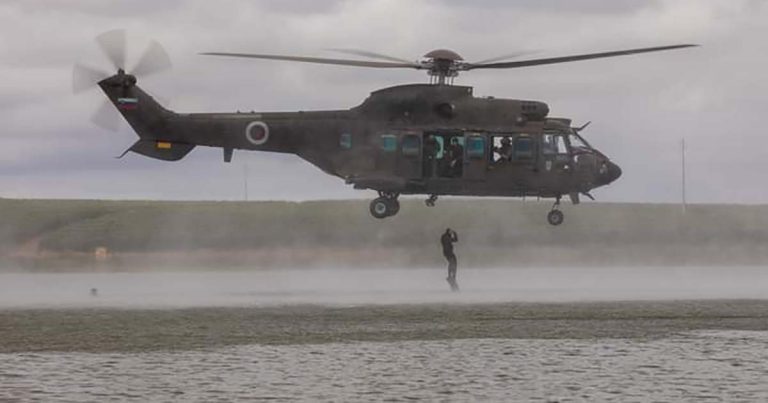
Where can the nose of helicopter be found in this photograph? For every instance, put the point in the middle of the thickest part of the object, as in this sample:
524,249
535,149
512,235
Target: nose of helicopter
612,173
607,172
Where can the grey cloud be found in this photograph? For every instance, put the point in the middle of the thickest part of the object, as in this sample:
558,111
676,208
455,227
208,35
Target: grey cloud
641,106
556,6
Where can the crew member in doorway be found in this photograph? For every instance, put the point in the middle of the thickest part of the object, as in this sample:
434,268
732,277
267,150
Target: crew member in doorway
431,149
456,158
504,151
448,238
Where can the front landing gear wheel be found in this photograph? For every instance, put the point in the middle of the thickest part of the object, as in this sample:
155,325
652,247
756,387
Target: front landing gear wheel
555,217
380,208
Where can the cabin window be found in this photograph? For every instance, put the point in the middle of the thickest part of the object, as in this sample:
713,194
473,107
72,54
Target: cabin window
345,141
411,145
523,148
389,142
475,147
501,148
440,147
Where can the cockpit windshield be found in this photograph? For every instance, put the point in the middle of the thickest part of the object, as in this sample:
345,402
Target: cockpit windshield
577,142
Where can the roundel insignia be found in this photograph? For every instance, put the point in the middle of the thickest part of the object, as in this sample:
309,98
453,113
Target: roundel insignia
257,133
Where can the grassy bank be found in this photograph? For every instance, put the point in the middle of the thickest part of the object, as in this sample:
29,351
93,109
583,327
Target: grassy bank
492,232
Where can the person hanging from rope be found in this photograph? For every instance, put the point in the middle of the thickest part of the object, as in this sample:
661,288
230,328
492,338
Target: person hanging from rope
447,240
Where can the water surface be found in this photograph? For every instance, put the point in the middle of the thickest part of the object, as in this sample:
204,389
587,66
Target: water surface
727,366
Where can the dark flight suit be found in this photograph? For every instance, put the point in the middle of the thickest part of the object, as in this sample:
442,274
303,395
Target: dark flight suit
431,149
456,158
447,241
505,151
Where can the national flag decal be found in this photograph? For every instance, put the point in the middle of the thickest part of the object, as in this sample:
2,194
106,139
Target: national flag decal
127,103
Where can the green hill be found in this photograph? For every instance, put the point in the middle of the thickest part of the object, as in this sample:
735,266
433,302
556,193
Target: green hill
492,232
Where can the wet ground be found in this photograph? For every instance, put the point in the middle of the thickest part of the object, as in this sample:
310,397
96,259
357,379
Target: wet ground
140,330
548,335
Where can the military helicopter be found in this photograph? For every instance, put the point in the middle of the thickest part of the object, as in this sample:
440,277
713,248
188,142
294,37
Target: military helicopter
433,139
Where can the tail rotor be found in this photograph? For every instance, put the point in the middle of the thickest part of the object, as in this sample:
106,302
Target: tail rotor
113,45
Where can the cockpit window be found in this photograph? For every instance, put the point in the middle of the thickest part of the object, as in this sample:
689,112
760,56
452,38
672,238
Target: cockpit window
552,144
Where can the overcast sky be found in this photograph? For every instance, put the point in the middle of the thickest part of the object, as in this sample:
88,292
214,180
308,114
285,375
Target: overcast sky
715,96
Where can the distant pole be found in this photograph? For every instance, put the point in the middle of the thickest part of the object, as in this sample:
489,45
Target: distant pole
682,150
245,182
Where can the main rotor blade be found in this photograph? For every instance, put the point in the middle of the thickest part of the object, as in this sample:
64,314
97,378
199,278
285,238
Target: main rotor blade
112,43
319,60
573,58
85,78
373,55
505,57
154,60
106,117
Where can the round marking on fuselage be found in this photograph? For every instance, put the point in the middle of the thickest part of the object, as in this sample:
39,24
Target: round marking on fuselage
257,133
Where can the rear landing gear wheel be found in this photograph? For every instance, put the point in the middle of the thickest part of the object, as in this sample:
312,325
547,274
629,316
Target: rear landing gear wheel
385,206
555,217
430,202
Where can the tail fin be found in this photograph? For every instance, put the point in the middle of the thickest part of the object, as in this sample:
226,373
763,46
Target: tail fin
146,116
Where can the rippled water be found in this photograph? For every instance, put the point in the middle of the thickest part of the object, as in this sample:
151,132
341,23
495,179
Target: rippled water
697,366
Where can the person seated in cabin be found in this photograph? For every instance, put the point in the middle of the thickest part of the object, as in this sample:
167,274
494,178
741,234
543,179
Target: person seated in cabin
431,150
455,158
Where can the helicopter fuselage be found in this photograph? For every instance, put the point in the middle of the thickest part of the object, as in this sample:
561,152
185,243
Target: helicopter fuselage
427,139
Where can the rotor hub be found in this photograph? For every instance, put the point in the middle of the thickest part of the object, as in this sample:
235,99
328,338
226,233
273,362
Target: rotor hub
445,54
442,65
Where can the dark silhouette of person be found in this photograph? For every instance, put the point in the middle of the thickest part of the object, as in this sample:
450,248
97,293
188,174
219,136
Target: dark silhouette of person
456,158
505,150
431,149
448,238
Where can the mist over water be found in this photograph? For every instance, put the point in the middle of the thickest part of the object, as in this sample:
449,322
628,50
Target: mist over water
377,286
378,334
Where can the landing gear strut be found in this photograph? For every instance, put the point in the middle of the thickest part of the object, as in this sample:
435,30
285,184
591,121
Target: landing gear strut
430,202
386,205
555,216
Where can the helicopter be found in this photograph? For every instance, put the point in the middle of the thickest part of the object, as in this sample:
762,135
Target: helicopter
433,139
